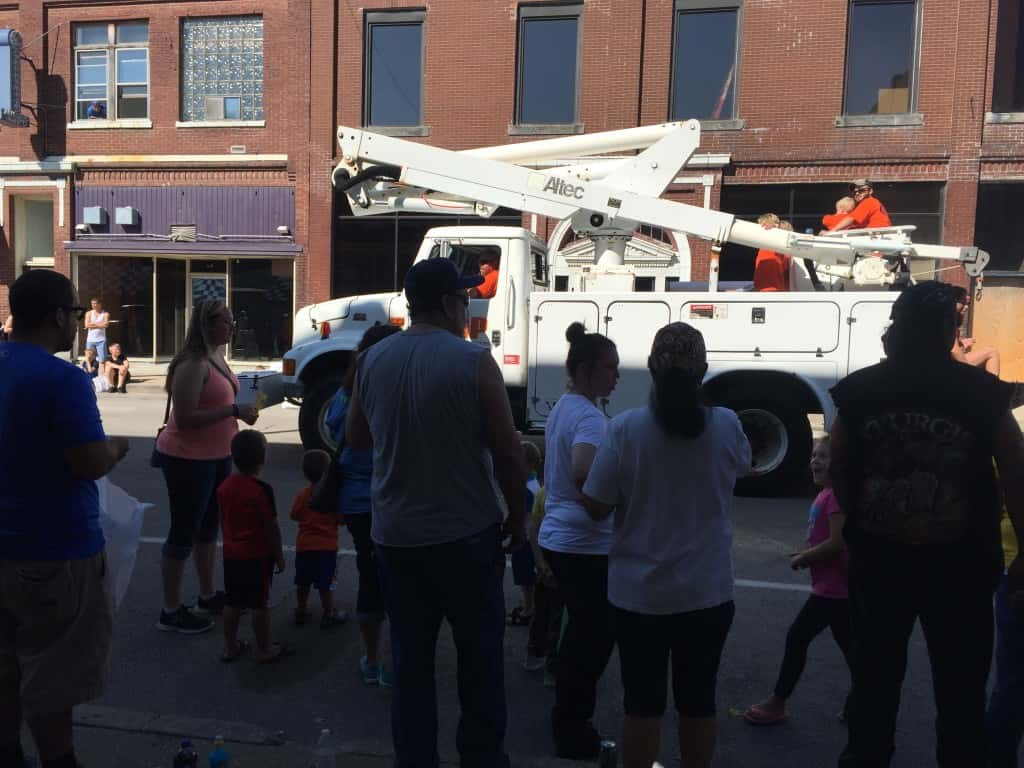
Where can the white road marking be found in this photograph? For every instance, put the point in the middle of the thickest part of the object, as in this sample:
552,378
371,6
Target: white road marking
748,583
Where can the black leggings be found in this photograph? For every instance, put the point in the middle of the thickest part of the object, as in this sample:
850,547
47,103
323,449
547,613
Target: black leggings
588,641
817,614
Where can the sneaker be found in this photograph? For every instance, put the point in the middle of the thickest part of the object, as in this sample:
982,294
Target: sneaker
333,620
550,681
210,605
183,621
534,663
372,673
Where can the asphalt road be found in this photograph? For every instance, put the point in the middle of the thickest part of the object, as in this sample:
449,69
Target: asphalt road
173,675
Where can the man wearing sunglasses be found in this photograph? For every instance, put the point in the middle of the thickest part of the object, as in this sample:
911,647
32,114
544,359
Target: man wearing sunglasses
869,211
55,608
434,409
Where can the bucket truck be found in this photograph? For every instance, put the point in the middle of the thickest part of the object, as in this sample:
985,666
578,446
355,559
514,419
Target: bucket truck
772,356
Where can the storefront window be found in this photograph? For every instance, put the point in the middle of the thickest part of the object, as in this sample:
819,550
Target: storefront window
125,286
261,299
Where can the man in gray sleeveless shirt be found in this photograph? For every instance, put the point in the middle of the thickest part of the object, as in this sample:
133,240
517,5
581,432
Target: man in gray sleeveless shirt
435,410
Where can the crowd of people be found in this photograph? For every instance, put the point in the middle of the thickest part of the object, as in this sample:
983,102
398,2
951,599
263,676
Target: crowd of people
922,492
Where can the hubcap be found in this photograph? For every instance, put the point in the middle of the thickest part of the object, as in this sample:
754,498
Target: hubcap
325,433
769,441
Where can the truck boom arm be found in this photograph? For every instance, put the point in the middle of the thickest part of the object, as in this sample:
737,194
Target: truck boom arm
606,202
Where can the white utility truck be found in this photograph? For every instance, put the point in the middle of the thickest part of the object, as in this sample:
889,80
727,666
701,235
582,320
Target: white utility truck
772,356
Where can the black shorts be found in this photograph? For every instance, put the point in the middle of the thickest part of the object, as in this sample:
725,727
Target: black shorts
524,568
247,583
315,568
694,640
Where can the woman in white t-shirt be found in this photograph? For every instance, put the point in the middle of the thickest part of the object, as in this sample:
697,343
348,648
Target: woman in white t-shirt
576,547
668,470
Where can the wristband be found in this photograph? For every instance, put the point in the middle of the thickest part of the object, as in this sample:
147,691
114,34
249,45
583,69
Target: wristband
234,410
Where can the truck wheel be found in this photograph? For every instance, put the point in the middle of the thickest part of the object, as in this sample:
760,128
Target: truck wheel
315,403
780,444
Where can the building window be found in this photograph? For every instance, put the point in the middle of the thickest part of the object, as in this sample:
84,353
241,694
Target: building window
995,226
33,233
705,59
1008,83
549,65
881,51
394,69
222,69
112,71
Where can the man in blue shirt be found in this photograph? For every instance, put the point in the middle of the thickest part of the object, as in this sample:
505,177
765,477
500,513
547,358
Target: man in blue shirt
55,608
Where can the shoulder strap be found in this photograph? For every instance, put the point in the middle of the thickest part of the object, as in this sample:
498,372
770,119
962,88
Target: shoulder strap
167,409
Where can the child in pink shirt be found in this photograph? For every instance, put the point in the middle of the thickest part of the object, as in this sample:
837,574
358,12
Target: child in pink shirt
827,607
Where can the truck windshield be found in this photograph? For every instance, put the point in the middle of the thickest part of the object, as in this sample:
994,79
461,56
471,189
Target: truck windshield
466,257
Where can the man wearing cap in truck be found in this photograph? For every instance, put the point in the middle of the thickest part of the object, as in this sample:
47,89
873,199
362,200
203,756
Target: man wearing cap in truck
869,211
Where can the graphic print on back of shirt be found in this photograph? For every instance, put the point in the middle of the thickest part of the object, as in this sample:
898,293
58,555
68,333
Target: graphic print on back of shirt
916,478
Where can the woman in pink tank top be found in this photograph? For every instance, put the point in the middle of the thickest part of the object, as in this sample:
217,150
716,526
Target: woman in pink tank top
195,456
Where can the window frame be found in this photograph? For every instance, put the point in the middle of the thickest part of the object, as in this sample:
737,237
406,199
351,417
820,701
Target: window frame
911,116
547,11
733,121
206,122
110,49
383,18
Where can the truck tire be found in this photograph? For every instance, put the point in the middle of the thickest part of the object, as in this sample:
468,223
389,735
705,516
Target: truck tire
780,442
315,403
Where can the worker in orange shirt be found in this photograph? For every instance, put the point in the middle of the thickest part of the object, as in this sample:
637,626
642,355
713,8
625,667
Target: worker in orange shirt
771,269
489,265
869,211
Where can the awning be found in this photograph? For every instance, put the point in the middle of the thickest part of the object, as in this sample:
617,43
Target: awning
265,248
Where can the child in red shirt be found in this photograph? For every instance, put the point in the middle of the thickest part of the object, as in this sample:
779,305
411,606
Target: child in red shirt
316,550
844,207
252,547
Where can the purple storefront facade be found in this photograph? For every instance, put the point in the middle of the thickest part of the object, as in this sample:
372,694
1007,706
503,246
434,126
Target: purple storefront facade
150,253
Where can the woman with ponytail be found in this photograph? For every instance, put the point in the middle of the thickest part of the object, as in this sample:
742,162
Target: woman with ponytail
576,547
668,472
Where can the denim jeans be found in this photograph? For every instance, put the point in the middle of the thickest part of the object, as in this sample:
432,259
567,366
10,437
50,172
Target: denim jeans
888,595
101,349
460,581
1005,720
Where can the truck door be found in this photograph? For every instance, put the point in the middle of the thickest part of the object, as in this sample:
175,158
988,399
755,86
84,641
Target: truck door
632,325
867,322
548,348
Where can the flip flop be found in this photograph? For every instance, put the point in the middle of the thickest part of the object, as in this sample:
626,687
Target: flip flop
281,651
756,715
241,647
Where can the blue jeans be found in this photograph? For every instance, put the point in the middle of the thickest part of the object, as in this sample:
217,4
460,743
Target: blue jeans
1005,718
100,347
460,581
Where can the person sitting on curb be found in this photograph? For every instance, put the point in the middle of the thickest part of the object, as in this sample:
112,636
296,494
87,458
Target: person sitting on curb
117,370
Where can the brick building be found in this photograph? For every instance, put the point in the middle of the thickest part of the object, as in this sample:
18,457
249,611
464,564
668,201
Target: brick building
208,127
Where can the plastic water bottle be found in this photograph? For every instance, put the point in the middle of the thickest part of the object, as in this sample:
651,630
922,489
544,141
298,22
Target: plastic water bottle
324,755
186,757
220,757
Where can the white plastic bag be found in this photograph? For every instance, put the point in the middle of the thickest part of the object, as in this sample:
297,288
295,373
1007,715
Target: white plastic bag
101,385
121,520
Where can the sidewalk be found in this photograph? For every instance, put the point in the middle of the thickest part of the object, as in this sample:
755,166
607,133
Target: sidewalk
150,376
106,737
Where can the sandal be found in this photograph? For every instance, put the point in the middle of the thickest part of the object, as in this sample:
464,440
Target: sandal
281,650
518,617
241,647
757,715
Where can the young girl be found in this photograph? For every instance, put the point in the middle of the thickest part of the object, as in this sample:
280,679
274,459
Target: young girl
827,606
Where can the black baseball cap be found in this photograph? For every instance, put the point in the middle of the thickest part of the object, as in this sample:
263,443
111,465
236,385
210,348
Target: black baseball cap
431,279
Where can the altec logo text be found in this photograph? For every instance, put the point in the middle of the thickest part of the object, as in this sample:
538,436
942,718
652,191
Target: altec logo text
540,183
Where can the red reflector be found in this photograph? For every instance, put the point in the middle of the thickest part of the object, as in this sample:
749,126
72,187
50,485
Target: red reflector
325,329
397,321
511,359
288,367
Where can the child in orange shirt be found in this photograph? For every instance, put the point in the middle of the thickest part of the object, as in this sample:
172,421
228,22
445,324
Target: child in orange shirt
252,548
844,207
316,549
771,270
